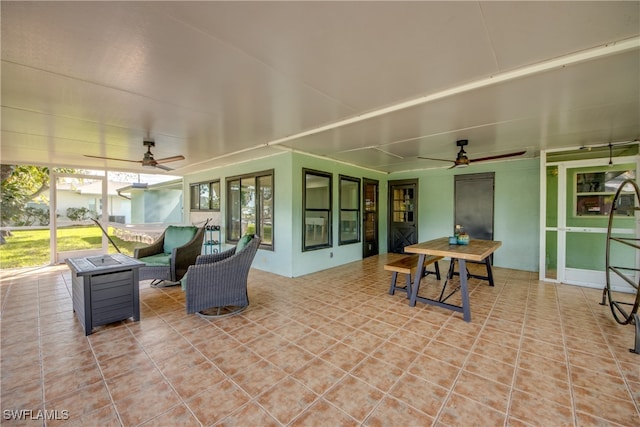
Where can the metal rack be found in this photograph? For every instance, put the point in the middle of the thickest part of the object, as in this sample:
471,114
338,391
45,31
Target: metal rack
212,243
620,308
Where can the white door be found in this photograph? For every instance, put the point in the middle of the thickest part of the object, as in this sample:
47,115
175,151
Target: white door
578,202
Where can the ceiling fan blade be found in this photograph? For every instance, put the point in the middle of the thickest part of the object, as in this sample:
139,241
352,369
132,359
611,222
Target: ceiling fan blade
500,156
440,160
163,167
170,159
113,158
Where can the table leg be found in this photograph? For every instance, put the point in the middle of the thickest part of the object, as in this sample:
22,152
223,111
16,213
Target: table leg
416,281
464,291
487,261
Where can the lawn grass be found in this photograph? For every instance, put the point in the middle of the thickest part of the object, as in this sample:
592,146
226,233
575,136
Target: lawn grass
30,248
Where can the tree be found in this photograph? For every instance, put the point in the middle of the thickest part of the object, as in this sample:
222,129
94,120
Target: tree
20,184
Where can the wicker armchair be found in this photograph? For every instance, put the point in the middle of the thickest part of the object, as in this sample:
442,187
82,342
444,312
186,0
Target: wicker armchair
216,285
168,258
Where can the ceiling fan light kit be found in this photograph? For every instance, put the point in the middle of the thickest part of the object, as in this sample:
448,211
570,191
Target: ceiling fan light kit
462,161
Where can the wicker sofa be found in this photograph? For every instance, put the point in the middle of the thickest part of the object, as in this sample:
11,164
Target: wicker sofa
168,258
217,284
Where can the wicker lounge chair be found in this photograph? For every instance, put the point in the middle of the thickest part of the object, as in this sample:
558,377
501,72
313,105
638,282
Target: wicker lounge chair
168,258
216,285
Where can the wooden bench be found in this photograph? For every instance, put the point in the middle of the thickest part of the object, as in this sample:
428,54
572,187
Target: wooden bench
408,266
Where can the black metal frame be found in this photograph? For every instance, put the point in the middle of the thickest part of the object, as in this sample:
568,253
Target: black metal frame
617,307
463,287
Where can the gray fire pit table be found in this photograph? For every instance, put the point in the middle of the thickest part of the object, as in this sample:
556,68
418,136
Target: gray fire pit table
105,289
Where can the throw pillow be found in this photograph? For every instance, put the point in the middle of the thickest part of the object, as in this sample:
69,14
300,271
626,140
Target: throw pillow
176,236
244,241
183,282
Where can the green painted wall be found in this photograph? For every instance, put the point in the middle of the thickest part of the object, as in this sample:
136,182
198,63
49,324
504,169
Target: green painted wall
321,259
516,208
287,258
280,260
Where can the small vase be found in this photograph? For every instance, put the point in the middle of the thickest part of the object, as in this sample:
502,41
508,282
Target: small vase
463,239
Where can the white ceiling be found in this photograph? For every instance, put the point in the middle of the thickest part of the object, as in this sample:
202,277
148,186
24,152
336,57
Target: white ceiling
374,84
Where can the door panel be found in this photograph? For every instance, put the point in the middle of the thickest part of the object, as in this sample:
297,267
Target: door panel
403,214
474,204
370,218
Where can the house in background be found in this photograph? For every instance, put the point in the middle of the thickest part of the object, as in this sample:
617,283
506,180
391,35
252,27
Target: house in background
127,203
154,203
75,195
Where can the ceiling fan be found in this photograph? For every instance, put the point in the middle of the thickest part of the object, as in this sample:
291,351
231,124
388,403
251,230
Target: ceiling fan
147,160
463,161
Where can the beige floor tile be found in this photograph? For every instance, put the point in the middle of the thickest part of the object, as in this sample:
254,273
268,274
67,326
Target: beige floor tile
315,342
259,377
434,370
537,410
286,400
543,386
70,382
144,404
343,356
321,414
319,375
461,410
82,402
227,397
290,358
391,412
377,373
445,352
491,369
598,402
249,415
179,416
483,390
308,353
419,393
355,397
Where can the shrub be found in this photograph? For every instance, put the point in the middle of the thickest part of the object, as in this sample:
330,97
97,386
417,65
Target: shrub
79,214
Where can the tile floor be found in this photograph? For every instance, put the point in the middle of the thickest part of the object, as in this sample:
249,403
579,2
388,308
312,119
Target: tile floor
328,349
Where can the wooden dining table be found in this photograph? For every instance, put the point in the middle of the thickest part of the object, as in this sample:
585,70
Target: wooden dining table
476,250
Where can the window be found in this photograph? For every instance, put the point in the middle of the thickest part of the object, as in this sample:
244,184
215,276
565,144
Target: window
595,192
349,210
317,210
205,196
250,207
